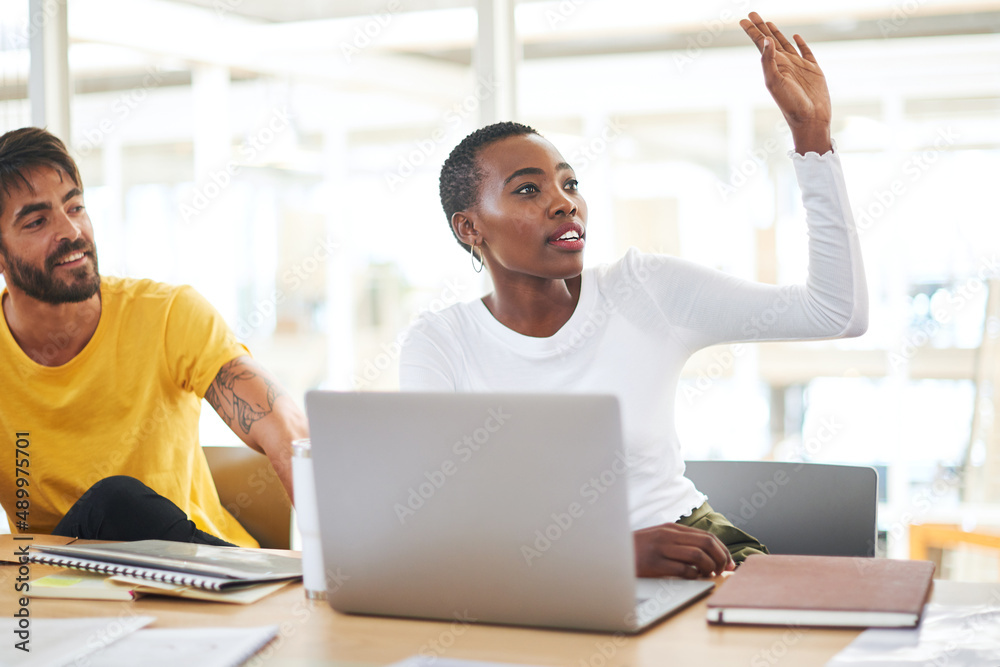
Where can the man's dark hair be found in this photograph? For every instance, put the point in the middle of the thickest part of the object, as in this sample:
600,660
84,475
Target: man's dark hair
28,148
461,176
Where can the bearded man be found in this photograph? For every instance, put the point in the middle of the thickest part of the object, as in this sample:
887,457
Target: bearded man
103,377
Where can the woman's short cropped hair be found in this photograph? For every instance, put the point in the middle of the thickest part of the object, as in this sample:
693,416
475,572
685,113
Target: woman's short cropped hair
461,176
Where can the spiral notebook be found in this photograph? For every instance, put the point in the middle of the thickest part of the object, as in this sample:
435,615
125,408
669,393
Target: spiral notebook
198,565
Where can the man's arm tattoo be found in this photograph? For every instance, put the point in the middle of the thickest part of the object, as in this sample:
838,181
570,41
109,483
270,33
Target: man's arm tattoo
241,395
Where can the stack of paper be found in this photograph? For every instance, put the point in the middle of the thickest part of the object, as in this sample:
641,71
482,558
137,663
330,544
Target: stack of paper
119,642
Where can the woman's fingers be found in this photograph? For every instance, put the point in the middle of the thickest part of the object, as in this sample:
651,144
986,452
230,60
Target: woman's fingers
761,31
760,24
804,49
783,42
756,35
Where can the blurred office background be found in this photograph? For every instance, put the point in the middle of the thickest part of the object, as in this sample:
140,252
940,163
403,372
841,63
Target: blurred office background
282,157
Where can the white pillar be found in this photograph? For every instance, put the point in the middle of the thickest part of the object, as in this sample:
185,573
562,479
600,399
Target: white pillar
212,131
339,323
112,241
496,59
48,79
212,242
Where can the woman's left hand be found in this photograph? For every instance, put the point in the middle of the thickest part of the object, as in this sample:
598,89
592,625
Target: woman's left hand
796,83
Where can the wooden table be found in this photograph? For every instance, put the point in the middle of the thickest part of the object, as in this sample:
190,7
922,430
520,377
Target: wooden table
313,634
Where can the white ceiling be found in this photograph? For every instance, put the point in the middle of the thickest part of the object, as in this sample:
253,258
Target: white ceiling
426,44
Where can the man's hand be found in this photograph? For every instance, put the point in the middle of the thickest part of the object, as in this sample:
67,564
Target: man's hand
673,550
259,411
795,82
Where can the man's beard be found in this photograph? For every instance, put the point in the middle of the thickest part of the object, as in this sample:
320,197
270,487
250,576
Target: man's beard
41,285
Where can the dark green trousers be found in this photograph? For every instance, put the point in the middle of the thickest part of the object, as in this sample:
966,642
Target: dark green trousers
739,543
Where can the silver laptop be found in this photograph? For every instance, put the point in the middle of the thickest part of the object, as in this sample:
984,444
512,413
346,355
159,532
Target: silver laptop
496,508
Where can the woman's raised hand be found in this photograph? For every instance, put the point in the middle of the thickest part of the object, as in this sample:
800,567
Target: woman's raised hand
795,82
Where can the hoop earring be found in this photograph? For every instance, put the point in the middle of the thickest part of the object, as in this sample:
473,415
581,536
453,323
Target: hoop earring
482,262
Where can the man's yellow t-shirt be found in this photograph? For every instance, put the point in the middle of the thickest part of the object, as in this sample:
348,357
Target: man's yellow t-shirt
127,404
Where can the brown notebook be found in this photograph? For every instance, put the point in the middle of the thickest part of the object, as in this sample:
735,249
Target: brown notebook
834,591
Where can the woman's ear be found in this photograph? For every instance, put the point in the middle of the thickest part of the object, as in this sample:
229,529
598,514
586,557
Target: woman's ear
465,229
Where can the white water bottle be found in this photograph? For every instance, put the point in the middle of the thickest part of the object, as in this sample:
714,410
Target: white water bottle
307,515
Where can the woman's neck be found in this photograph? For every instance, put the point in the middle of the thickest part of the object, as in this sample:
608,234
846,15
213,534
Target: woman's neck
537,308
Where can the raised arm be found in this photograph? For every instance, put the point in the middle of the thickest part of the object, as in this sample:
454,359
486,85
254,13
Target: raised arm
260,412
708,307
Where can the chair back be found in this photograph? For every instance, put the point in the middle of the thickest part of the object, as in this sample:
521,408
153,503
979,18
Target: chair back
251,491
795,508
